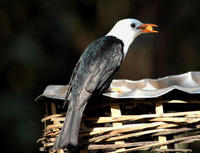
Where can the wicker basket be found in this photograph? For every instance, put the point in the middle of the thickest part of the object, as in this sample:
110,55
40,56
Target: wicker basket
168,118
114,125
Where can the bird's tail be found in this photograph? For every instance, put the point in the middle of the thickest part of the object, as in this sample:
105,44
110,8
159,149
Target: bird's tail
68,136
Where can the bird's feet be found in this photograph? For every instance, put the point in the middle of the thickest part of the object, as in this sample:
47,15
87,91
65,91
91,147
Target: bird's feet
116,89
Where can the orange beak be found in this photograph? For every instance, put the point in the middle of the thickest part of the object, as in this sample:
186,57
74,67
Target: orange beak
148,28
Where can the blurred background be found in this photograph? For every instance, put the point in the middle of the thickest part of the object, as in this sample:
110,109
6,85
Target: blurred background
41,41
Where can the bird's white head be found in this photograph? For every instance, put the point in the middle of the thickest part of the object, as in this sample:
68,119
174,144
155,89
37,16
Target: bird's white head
128,29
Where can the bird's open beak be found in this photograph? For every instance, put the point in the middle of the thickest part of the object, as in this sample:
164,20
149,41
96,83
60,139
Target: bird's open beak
148,28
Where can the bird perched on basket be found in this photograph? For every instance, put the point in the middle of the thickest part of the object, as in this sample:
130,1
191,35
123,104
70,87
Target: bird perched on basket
94,72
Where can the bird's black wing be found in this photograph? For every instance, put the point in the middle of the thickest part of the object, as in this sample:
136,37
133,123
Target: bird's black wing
97,66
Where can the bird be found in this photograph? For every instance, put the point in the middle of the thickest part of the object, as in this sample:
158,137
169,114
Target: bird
94,73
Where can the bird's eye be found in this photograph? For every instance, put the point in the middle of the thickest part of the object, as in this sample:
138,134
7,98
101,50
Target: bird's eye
133,25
